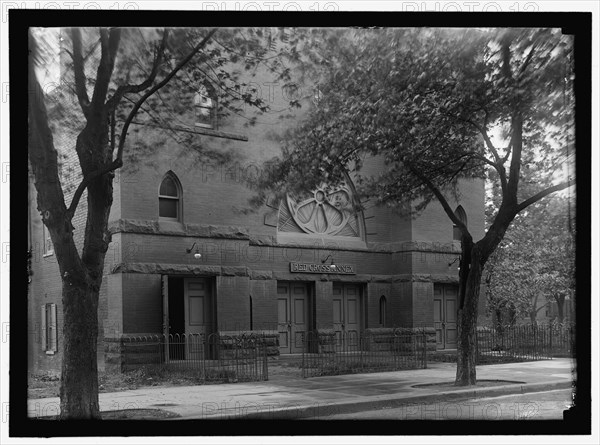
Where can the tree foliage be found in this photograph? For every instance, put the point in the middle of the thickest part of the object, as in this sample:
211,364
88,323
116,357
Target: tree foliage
112,80
438,106
534,265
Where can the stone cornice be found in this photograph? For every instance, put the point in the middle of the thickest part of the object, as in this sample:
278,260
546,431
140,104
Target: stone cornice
243,271
150,227
177,229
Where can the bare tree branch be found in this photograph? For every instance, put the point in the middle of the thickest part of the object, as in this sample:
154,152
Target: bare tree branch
118,161
527,59
515,161
124,89
155,88
442,199
86,181
44,162
113,123
109,44
544,193
79,70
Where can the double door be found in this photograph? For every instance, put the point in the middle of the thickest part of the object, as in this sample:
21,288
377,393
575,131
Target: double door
346,313
445,300
293,304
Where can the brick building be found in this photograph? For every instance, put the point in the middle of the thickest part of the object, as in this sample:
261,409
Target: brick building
187,255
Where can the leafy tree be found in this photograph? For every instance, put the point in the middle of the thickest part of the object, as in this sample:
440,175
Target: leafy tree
115,76
534,264
427,102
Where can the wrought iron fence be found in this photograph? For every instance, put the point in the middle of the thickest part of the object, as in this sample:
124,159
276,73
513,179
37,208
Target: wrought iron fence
325,353
212,357
499,344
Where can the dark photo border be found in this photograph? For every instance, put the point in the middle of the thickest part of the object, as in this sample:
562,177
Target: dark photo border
576,421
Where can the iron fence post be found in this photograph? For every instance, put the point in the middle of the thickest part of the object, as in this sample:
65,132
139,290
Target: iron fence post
265,362
476,346
236,347
360,352
424,349
551,351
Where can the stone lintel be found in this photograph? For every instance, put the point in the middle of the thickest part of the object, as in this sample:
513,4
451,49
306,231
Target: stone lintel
260,274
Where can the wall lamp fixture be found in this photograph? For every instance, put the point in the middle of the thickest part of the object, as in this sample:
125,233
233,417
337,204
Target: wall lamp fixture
333,266
197,254
454,261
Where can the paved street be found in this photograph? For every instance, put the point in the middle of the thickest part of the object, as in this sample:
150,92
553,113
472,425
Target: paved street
544,405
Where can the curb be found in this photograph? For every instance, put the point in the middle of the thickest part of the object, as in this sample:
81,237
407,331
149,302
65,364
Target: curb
318,410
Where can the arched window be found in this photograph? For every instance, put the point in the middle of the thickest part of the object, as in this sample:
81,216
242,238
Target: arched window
462,216
382,310
169,198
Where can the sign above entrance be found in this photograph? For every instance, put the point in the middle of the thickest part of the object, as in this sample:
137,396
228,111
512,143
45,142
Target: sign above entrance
342,269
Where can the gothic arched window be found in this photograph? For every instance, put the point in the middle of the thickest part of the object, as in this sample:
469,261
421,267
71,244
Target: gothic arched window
382,310
170,198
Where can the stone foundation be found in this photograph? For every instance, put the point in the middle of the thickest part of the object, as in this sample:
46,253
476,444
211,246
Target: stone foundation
125,352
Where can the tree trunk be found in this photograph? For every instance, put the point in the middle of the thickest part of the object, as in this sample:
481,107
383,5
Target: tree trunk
79,379
560,305
511,315
467,327
532,316
499,320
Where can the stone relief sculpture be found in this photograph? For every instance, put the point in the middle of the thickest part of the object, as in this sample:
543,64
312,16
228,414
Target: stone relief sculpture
323,212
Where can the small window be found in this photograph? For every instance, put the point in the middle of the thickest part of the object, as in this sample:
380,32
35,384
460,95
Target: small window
205,108
169,198
48,331
462,216
382,310
251,321
48,246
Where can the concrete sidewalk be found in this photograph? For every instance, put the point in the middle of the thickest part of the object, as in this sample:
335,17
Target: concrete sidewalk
295,398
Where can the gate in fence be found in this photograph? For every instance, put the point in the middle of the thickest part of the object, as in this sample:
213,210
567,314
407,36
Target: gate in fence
325,353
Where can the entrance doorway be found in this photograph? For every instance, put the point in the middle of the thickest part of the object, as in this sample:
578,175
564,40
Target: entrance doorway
346,313
445,298
293,316
197,309
189,317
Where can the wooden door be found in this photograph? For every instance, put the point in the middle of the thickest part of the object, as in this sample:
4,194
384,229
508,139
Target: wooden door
347,313
445,307
352,314
338,313
197,317
283,318
293,316
450,315
299,316
438,319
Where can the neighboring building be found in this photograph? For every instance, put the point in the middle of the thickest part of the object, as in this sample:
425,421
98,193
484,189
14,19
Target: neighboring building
270,269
